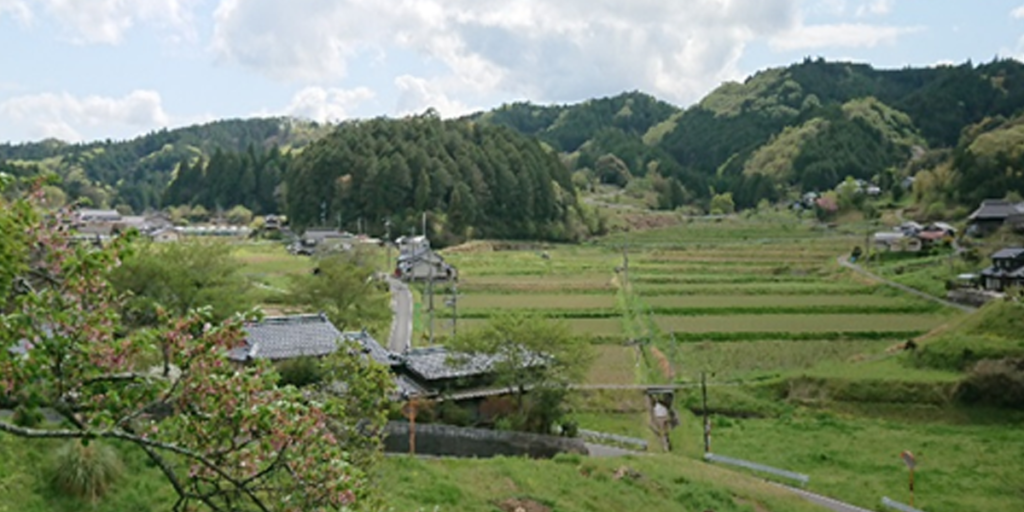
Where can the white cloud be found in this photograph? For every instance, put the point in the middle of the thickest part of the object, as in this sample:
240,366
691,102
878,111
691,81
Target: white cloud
543,49
326,104
106,21
842,35
72,118
1017,13
875,7
417,94
18,9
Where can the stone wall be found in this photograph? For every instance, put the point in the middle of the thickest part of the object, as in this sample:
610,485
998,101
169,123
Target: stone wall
449,441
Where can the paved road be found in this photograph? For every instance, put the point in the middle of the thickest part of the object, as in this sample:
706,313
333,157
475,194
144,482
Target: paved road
401,321
844,261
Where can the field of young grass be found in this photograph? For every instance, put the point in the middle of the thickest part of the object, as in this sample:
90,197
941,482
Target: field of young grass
972,466
613,364
755,359
535,301
799,323
600,327
754,301
572,483
269,263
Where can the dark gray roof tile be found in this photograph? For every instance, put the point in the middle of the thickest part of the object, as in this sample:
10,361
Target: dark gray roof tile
287,337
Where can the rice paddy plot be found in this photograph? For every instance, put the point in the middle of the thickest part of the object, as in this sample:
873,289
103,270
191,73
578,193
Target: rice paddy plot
724,268
763,288
551,284
535,301
602,327
798,323
613,364
752,301
737,360
725,279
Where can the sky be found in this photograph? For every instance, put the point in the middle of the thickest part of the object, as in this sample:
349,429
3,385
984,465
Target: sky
80,70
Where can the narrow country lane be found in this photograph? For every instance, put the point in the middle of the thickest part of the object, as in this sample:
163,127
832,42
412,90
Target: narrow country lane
401,322
845,262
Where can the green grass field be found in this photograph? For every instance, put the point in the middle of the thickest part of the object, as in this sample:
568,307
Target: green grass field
571,483
736,300
798,323
535,301
613,364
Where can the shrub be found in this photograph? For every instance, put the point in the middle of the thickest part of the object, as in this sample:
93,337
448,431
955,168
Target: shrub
996,382
85,470
300,372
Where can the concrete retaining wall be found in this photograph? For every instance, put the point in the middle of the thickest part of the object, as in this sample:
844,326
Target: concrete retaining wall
449,441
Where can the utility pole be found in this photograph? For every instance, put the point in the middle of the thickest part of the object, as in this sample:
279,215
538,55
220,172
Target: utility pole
625,266
455,311
707,421
430,300
423,228
387,244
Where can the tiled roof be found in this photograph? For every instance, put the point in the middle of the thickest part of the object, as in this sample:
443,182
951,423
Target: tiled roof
1009,253
373,348
1002,273
288,336
407,387
437,363
996,209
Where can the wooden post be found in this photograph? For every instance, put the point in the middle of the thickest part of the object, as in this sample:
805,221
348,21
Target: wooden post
410,414
911,462
911,487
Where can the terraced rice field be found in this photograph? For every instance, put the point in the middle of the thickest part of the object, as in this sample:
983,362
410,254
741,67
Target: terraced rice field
536,301
798,323
739,281
601,327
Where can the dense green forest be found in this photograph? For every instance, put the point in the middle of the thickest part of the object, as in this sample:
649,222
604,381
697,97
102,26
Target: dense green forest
783,131
805,127
471,179
135,173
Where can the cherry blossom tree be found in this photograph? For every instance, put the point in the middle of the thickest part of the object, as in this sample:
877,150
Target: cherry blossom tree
226,437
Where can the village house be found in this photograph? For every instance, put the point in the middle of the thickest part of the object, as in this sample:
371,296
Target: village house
431,372
911,236
994,214
164,235
1007,270
417,262
896,241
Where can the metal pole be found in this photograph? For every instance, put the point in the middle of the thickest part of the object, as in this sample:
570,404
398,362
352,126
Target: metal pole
707,421
455,311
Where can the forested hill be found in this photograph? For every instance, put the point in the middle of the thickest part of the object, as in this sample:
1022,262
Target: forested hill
801,128
806,127
136,172
471,179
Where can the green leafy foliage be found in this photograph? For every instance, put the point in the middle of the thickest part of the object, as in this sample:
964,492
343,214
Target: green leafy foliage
536,358
136,172
346,290
223,436
397,169
179,277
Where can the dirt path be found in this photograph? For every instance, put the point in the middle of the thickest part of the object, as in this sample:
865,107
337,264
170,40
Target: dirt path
843,261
